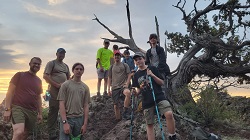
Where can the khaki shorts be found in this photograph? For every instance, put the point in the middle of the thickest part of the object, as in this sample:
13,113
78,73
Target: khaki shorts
23,115
117,95
103,74
149,114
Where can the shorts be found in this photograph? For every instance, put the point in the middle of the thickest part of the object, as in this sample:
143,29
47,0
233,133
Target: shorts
102,75
117,95
23,115
149,113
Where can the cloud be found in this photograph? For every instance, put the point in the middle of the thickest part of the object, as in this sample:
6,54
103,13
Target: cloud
53,13
56,2
108,2
76,30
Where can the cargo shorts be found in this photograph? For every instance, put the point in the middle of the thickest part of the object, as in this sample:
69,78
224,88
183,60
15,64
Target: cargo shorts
23,115
117,95
149,113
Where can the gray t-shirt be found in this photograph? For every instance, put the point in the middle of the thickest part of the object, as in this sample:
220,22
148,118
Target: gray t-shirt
75,95
119,74
154,59
58,72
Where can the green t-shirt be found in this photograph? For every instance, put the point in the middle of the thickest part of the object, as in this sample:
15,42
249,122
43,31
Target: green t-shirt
104,55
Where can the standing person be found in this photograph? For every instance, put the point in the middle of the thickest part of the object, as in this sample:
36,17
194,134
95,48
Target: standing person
155,56
119,75
74,99
128,60
141,81
103,58
56,72
23,104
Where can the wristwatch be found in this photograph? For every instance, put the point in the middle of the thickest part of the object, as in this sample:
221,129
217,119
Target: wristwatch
64,121
6,109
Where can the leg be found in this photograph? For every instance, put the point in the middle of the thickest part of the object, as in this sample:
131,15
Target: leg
105,84
150,132
52,118
18,131
170,122
149,117
165,109
25,134
99,85
117,112
127,94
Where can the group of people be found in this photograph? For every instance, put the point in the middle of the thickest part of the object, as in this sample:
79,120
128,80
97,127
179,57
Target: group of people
70,96
118,76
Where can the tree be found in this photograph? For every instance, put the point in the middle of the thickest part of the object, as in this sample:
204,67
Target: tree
212,48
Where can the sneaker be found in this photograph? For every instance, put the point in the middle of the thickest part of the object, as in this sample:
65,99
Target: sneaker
172,137
105,93
98,94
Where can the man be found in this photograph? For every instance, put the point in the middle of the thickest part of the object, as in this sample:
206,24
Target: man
155,56
56,72
128,60
141,81
23,101
74,99
103,58
119,75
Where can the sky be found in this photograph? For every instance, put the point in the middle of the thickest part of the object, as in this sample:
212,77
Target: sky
31,28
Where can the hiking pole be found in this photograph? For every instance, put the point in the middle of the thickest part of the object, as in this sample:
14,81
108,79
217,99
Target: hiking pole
132,116
156,107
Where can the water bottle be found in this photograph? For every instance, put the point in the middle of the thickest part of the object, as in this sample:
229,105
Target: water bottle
47,95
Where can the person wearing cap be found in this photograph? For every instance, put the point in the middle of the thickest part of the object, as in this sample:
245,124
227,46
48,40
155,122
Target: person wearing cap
23,103
56,72
118,79
140,80
103,57
128,60
155,56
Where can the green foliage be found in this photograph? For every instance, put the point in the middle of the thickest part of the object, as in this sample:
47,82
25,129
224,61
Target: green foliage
209,109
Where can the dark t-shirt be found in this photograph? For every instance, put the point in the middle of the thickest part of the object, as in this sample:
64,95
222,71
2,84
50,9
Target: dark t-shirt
140,78
28,90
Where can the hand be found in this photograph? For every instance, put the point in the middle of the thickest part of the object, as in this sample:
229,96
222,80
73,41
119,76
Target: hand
66,128
150,73
125,86
109,92
101,69
6,115
84,129
58,85
39,118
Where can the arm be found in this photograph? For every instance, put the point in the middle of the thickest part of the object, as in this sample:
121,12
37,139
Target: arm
62,111
156,79
39,115
8,101
86,116
99,62
50,81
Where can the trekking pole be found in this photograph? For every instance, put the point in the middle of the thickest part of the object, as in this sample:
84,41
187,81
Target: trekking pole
156,108
132,116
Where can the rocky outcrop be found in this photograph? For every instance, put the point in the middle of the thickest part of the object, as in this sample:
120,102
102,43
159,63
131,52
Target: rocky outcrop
103,126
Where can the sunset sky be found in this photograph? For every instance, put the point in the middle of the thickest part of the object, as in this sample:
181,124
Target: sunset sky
38,28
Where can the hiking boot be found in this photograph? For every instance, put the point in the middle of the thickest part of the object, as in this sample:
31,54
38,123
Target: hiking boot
172,137
126,114
98,94
105,93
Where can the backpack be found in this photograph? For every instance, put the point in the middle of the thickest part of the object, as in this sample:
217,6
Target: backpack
200,134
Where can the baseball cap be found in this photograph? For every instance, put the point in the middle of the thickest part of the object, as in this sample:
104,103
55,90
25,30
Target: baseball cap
60,50
153,36
117,52
138,54
106,41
